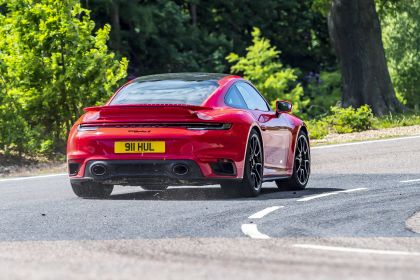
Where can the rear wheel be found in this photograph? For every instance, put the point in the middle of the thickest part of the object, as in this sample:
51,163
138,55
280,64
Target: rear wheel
301,167
92,190
253,171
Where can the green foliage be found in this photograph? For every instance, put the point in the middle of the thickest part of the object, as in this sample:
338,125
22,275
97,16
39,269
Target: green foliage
318,129
14,130
262,66
52,65
342,120
324,91
47,147
390,121
401,35
346,120
349,120
192,35
54,60
322,6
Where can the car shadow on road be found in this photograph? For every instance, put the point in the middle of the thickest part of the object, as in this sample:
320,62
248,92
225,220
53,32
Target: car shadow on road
212,193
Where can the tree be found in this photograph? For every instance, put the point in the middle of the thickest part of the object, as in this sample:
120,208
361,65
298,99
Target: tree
401,34
196,35
262,66
355,33
53,65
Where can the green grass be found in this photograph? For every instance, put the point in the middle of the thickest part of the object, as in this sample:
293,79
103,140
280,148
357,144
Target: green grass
390,121
319,129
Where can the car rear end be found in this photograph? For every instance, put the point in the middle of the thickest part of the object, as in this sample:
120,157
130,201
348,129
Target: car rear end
175,152
168,144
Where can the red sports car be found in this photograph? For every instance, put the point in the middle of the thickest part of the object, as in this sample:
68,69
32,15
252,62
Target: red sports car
188,129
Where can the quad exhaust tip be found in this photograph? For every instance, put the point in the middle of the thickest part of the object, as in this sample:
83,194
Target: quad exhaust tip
180,169
98,169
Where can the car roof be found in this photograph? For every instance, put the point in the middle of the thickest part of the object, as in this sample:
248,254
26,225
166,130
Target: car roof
183,76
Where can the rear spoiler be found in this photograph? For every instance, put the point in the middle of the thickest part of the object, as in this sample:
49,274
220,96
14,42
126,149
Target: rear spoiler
150,112
146,107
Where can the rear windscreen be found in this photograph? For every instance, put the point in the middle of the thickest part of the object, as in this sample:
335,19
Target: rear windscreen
165,92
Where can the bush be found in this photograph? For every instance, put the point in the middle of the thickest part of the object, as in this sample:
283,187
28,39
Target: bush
318,129
346,120
342,120
52,64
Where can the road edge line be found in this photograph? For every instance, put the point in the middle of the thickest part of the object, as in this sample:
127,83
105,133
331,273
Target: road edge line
32,177
363,142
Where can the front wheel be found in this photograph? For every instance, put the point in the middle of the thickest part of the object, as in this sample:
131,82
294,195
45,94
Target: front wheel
301,166
253,171
92,190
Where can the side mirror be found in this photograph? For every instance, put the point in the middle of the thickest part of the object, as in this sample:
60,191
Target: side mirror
283,106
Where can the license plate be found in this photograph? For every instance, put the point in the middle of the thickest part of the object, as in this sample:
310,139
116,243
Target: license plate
139,147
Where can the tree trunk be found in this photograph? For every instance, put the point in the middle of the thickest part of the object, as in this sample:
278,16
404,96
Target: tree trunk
356,36
193,13
115,25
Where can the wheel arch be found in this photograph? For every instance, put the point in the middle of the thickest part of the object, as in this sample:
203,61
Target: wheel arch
257,129
302,128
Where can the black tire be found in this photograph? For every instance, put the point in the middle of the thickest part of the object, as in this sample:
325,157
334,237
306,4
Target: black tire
301,166
155,187
92,190
251,183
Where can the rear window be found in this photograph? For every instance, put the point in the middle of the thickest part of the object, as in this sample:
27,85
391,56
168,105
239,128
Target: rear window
165,92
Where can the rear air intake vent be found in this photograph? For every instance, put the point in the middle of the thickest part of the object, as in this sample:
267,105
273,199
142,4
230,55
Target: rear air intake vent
73,168
223,167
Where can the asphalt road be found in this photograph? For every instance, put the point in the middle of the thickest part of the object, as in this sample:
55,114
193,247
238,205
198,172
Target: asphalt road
350,223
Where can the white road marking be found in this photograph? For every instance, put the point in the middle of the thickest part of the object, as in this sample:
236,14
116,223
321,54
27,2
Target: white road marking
410,181
330,193
365,142
33,177
251,230
356,250
264,212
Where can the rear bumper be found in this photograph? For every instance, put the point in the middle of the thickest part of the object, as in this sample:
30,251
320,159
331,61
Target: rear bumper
203,150
147,172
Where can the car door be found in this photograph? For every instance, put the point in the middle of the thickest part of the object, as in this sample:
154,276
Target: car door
276,130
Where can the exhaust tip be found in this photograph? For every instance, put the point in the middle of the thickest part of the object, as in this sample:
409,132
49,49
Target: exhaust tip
98,169
180,169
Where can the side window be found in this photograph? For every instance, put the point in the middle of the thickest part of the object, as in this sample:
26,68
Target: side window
234,99
253,99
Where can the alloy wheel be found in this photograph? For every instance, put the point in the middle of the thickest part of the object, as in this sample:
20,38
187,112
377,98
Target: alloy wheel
255,162
302,160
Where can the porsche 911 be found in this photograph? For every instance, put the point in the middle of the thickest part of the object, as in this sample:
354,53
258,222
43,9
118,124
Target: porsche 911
188,129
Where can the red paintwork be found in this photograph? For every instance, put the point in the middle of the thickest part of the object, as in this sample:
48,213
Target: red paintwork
279,132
